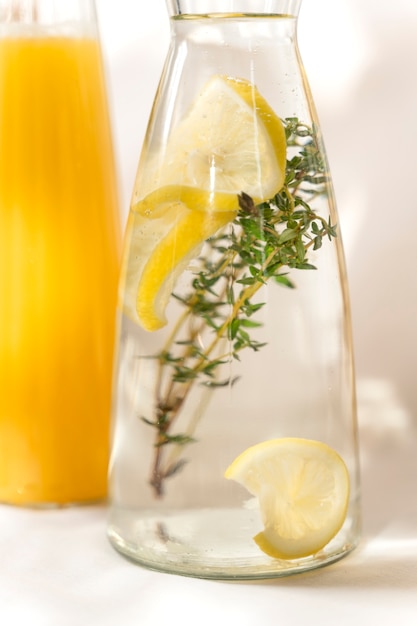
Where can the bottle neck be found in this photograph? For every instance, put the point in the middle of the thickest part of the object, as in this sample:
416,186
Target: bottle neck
47,12
247,7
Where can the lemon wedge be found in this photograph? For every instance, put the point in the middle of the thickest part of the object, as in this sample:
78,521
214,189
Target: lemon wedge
302,487
229,141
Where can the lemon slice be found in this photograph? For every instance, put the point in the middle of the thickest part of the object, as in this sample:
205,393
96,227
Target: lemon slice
230,141
302,488
166,231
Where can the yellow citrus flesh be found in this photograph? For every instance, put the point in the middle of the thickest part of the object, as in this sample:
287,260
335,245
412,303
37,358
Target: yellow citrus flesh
302,487
229,142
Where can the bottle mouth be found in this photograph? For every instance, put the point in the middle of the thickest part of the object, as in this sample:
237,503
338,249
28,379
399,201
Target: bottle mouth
232,8
46,12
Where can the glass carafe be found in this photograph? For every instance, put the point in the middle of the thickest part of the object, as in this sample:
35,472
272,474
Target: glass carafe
234,448
59,254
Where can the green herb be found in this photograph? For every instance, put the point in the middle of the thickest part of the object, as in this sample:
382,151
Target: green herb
264,243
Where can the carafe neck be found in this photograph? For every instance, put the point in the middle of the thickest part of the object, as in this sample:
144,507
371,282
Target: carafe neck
194,8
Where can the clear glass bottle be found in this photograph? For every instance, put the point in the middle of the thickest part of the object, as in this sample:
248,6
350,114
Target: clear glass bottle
59,254
234,325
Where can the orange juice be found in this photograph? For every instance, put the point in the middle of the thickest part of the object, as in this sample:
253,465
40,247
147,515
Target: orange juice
59,256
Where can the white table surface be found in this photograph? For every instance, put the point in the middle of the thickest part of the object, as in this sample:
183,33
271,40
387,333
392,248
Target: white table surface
57,567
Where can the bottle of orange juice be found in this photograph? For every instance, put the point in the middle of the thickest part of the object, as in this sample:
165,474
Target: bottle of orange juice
59,254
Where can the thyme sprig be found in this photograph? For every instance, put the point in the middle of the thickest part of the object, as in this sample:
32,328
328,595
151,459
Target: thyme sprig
264,243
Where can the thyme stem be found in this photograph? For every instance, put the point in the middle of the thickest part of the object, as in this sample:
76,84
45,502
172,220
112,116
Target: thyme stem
262,241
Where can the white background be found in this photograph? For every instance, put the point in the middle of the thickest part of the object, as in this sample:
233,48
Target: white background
361,61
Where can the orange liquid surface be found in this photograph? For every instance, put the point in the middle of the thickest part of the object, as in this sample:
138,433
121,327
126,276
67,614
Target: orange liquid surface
59,258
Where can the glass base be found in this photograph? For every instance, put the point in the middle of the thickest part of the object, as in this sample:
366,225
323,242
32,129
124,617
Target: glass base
212,543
